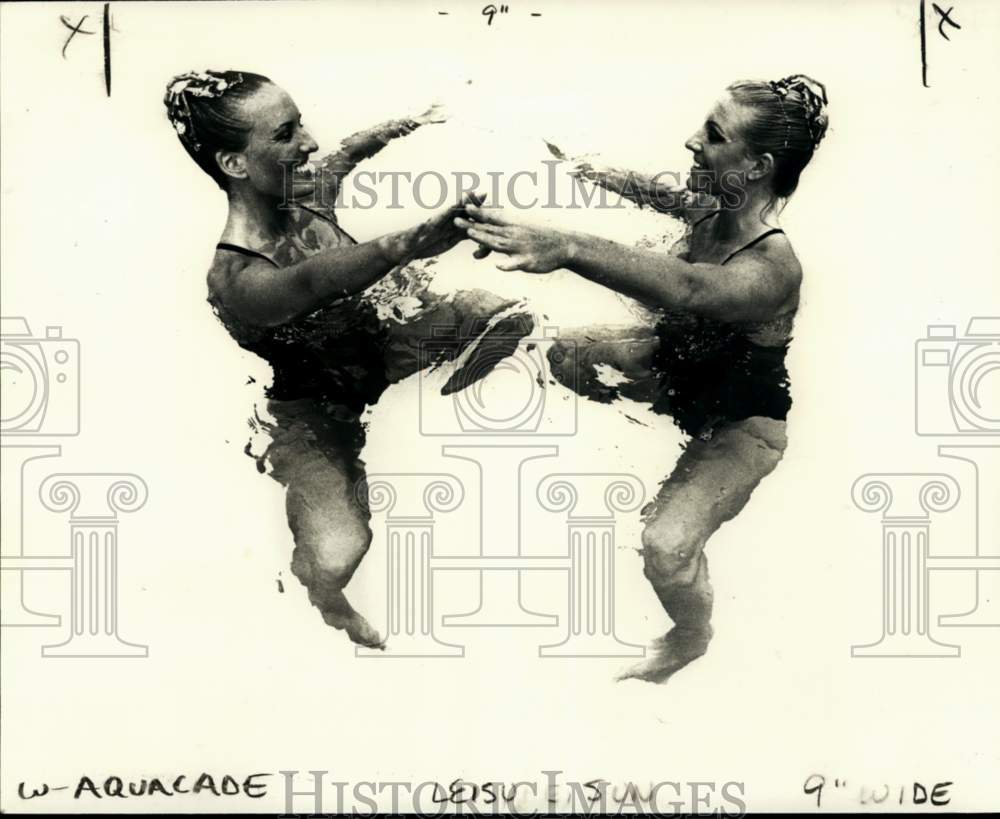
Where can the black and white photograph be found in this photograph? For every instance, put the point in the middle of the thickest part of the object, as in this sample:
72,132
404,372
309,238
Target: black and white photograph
507,409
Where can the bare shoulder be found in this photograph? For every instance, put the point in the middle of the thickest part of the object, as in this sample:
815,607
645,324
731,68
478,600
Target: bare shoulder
225,267
782,256
241,283
775,267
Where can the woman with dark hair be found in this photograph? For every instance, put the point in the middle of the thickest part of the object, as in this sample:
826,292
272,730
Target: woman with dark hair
727,295
289,284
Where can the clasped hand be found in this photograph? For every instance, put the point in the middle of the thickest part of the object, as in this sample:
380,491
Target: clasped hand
528,248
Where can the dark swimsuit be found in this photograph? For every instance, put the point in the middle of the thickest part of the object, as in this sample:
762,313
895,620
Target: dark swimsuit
334,356
711,373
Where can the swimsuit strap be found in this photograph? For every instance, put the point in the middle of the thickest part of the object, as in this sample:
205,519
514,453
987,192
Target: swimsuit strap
704,218
332,221
748,245
318,213
245,251
751,243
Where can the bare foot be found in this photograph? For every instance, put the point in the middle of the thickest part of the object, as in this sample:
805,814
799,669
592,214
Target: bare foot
357,627
669,654
446,326
361,632
495,340
339,613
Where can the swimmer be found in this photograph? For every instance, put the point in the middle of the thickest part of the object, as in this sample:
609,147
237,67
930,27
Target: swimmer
726,295
288,283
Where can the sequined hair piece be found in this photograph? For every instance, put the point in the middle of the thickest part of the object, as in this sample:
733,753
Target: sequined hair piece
207,84
806,89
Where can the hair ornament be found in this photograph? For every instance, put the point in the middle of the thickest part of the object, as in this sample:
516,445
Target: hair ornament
207,84
813,96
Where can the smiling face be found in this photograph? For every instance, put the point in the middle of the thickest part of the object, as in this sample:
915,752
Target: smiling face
720,153
276,142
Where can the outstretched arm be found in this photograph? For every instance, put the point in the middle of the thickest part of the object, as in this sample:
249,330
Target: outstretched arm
656,192
664,192
752,288
266,296
365,144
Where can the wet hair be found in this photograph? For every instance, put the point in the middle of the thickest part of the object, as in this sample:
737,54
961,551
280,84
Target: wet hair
789,122
205,108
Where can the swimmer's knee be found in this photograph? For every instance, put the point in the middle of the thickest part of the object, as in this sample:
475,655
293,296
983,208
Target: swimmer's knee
340,554
562,363
331,560
670,553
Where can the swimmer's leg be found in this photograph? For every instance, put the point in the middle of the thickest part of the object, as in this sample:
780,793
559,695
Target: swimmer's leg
712,482
574,359
447,326
329,526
